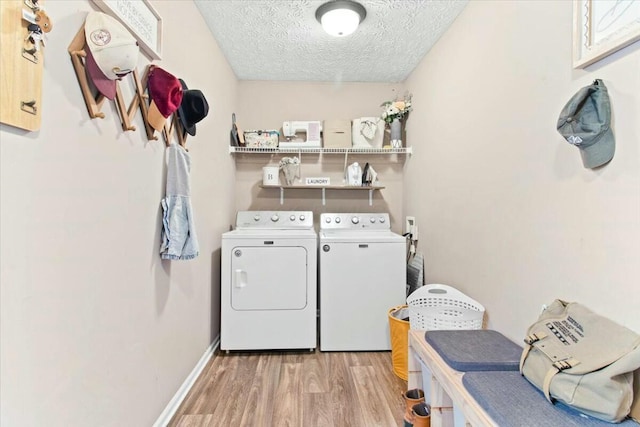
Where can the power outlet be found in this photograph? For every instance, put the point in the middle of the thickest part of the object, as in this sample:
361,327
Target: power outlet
409,224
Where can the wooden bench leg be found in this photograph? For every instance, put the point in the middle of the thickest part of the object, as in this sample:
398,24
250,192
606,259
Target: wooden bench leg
414,370
441,406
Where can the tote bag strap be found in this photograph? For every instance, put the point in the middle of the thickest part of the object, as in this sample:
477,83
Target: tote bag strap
558,366
529,340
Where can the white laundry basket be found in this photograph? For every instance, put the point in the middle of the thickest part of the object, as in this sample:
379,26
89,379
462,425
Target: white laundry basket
433,307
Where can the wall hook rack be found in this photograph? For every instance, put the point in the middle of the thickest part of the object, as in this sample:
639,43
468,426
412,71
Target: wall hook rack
93,102
126,115
141,100
21,68
180,133
77,53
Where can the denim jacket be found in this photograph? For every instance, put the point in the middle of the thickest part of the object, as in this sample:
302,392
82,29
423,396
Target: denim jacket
179,240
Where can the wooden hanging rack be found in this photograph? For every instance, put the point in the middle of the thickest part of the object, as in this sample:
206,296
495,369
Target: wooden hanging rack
94,103
180,133
141,101
77,53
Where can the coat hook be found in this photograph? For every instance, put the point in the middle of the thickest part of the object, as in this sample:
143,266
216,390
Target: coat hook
30,54
29,107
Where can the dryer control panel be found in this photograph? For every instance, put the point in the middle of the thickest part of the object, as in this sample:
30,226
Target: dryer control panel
276,220
355,221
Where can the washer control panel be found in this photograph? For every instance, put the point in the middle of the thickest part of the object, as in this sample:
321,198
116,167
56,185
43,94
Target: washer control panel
282,220
355,221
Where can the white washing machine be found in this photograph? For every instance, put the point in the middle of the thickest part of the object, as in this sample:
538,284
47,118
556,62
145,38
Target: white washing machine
269,276
362,275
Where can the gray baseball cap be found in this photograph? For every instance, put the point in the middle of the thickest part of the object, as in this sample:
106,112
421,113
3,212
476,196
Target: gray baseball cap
586,123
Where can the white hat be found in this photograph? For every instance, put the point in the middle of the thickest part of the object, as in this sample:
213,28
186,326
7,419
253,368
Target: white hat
113,49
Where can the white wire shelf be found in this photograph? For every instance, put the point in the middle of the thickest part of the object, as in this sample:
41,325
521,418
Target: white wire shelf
403,150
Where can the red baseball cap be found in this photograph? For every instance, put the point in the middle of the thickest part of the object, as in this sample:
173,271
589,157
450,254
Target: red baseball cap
165,92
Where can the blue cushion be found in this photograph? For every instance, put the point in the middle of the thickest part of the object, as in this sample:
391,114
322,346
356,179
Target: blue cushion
475,350
512,401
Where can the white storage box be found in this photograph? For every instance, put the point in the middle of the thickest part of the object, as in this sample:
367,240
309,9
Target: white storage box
367,132
436,306
270,175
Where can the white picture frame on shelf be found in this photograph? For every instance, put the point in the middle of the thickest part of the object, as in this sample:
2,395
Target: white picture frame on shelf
601,27
141,19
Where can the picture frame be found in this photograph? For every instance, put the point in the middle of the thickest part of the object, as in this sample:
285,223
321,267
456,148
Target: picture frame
601,27
141,19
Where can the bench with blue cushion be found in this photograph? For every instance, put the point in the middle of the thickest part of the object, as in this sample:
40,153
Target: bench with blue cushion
512,401
475,350
477,371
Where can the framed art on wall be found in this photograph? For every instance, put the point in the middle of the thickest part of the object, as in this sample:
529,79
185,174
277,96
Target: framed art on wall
141,19
601,27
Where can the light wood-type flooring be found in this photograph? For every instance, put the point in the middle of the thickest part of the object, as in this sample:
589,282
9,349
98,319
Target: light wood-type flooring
296,389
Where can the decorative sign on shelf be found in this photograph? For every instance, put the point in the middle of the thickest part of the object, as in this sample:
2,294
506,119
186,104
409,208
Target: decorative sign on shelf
141,19
317,181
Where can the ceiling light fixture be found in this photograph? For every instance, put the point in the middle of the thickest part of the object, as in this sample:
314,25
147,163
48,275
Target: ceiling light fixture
340,18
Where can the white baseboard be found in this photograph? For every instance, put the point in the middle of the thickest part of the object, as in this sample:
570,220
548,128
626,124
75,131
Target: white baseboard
176,401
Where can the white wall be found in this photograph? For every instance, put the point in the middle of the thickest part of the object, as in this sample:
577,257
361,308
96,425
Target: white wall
95,328
506,210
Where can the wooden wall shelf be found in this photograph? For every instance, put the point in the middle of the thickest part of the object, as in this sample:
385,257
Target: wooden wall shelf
323,188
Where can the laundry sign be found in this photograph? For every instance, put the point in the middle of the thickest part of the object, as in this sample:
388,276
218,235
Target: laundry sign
317,181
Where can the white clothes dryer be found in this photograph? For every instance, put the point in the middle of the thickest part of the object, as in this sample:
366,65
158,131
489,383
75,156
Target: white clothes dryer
362,275
269,277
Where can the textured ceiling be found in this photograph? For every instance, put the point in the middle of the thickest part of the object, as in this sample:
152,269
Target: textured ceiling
281,39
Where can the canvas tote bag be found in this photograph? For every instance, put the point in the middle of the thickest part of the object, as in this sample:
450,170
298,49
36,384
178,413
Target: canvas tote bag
583,360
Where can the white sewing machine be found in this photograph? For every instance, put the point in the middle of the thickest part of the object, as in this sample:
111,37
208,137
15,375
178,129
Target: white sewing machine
302,134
